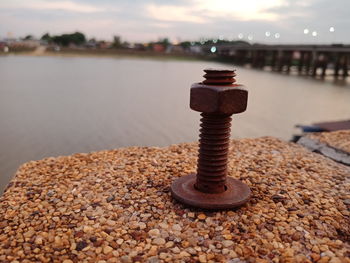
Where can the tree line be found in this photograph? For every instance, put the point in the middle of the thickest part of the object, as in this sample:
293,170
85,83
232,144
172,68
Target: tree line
76,38
79,39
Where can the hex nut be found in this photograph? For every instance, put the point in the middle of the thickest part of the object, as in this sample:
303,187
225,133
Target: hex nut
218,99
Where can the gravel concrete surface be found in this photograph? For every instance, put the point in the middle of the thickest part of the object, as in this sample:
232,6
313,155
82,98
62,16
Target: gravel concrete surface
115,206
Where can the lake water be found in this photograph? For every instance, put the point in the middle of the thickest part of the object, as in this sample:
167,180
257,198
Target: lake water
52,106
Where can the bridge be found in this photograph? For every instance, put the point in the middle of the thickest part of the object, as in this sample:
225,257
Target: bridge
313,60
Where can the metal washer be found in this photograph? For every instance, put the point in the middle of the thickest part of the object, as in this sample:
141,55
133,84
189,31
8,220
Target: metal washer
236,194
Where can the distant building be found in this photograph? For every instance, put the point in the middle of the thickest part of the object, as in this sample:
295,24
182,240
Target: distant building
30,43
11,44
158,48
138,46
104,44
196,49
175,49
91,44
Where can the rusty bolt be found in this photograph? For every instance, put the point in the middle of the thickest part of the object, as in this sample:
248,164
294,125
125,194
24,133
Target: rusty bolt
217,98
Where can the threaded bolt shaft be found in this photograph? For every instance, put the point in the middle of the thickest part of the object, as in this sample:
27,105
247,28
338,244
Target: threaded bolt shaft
213,153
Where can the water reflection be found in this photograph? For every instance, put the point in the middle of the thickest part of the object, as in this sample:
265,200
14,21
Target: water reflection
53,106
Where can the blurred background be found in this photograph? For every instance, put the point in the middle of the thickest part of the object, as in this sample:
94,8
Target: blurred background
87,75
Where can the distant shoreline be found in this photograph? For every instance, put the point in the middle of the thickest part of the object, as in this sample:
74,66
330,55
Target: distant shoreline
108,53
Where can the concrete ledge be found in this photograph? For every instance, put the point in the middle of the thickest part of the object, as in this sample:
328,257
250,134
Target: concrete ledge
334,145
115,206
338,139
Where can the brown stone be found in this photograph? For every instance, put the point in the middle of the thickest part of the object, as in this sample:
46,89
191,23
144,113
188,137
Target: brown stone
297,236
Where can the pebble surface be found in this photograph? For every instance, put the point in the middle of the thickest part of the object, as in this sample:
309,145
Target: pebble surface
115,206
337,139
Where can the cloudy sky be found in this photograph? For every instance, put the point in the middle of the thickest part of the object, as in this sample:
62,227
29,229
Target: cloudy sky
143,20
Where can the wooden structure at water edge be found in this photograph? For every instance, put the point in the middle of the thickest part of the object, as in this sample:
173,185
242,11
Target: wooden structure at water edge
310,60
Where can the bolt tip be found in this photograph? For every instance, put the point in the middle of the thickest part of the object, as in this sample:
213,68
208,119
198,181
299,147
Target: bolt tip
219,76
219,70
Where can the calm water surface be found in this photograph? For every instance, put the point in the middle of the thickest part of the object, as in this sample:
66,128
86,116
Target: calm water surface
53,106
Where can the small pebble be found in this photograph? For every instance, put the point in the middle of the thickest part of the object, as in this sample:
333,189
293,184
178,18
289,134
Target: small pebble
227,243
176,227
297,236
110,198
126,259
142,225
107,250
38,240
270,235
201,216
228,237
154,232
176,250
202,258
87,229
158,241
347,201
163,255
184,254
154,259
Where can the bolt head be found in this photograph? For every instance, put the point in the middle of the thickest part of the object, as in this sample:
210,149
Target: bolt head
218,99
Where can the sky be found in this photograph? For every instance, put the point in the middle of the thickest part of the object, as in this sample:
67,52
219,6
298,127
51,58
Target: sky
263,21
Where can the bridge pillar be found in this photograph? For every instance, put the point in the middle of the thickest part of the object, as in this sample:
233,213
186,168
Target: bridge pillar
325,64
241,57
315,63
345,65
308,62
301,61
337,64
274,59
263,58
255,58
289,58
280,61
